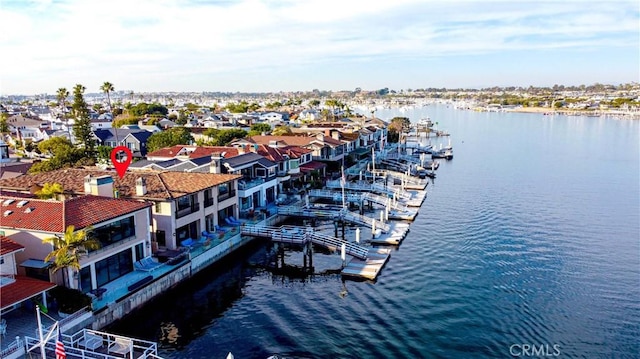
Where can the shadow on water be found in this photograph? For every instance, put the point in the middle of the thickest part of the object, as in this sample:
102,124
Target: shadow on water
184,312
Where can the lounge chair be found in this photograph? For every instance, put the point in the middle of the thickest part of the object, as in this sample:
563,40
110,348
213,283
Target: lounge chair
220,229
147,264
121,346
231,223
90,341
188,243
234,220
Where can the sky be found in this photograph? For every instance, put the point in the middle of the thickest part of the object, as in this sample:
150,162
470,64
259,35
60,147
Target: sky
301,45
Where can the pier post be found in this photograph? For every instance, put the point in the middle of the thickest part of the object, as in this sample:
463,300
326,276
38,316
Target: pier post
358,235
343,254
335,228
373,229
382,216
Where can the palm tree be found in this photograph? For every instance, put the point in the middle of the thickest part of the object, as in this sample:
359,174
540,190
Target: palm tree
62,95
68,250
107,88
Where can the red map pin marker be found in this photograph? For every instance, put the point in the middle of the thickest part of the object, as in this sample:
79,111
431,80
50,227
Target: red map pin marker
121,166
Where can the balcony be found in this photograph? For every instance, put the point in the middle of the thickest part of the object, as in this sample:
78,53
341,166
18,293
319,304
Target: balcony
227,195
187,211
246,184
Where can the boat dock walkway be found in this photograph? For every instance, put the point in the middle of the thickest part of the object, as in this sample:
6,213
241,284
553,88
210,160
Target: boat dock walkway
328,212
301,236
370,267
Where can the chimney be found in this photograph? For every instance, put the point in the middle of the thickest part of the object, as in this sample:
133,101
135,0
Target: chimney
327,132
335,135
216,160
241,150
252,148
141,186
99,186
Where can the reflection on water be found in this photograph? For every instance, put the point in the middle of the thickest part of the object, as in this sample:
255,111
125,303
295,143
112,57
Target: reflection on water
529,237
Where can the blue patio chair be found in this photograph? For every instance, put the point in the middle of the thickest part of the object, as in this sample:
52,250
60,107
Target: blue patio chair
231,223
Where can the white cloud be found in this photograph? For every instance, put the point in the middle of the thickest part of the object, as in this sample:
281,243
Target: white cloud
54,44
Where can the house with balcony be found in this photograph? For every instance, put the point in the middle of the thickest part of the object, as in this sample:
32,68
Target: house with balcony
120,225
182,204
258,182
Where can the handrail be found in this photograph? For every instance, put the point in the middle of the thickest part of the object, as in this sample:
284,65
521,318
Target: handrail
278,235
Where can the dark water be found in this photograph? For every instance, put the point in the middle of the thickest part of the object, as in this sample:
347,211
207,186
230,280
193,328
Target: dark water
529,236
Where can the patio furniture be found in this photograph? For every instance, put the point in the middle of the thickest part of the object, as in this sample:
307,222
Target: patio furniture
121,346
90,341
147,264
234,220
189,243
231,223
3,327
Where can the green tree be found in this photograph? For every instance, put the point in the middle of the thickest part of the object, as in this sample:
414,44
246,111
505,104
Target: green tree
226,136
61,96
400,124
107,87
282,131
68,250
82,127
4,126
397,126
314,103
171,137
63,154
259,128
50,191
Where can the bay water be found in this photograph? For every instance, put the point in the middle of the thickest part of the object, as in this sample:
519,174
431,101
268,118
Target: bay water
528,244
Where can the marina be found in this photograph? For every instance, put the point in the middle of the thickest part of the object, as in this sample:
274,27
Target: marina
482,267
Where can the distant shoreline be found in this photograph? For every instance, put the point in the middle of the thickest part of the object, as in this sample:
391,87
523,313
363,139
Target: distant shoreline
554,111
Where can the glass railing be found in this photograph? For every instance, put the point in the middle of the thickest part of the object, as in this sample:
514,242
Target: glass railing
187,211
247,184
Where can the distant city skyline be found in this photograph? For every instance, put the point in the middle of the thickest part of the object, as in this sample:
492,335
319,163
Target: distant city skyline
286,45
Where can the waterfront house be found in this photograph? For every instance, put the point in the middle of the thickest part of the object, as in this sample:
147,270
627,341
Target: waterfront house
120,225
183,204
323,147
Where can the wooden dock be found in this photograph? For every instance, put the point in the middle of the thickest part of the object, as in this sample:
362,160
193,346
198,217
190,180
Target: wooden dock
368,268
395,235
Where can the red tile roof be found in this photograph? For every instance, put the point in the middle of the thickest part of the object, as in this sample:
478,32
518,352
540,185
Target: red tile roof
192,151
301,141
22,289
311,166
55,216
160,185
8,246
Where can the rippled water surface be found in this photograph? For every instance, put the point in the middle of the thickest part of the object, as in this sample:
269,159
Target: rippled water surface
530,235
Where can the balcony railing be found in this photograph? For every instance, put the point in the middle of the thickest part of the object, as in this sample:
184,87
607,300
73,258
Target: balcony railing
187,211
223,196
247,184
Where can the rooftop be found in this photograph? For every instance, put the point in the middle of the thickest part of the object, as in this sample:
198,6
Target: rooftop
160,185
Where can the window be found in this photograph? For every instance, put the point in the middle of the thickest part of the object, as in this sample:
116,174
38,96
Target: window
223,188
158,207
261,172
184,203
115,231
114,267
